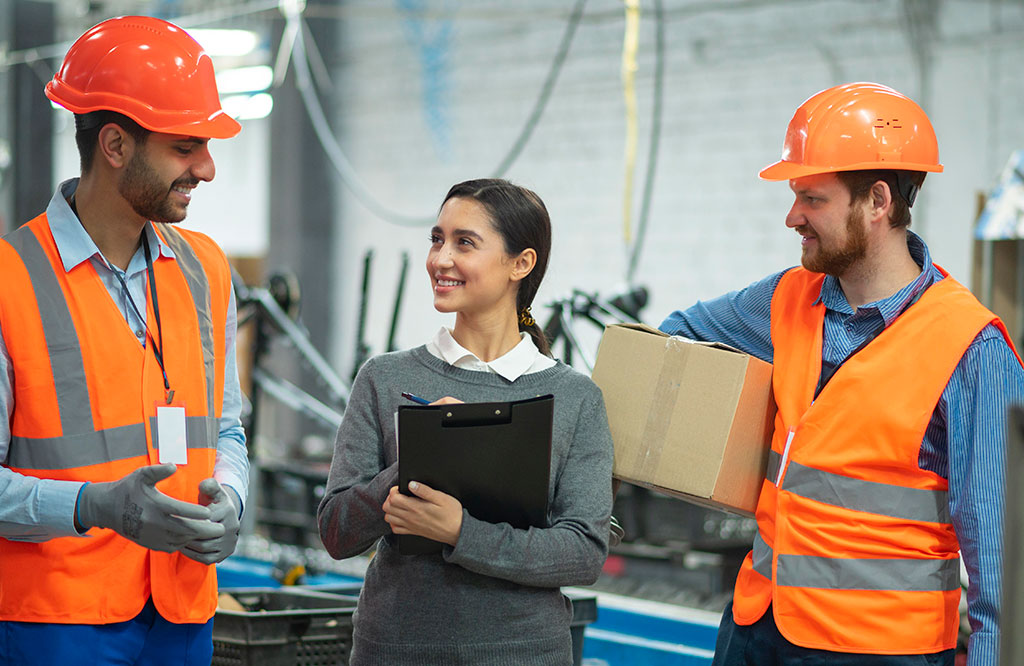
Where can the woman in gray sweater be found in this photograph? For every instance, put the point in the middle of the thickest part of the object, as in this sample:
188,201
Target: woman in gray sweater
491,595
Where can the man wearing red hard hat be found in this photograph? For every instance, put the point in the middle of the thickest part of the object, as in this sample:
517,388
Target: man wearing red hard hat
124,462
892,384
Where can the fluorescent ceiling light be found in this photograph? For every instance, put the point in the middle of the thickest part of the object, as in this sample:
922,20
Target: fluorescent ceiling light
217,42
248,107
245,79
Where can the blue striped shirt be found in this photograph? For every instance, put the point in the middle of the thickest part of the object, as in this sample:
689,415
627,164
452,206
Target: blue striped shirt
965,441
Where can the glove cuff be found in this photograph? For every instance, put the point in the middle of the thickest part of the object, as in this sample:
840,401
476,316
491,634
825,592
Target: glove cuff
79,525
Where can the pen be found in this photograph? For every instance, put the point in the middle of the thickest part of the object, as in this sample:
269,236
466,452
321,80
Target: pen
415,398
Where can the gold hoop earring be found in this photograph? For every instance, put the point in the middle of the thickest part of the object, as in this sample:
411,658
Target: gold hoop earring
525,318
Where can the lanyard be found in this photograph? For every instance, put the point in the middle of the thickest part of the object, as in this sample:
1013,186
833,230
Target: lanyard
157,347
158,341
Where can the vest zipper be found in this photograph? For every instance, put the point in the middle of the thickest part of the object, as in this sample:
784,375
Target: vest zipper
785,456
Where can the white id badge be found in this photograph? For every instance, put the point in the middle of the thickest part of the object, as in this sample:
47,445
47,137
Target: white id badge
170,430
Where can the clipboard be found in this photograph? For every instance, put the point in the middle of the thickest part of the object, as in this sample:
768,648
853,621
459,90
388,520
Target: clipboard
494,457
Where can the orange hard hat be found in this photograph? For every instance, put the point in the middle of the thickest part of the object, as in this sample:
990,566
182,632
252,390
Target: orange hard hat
147,69
856,126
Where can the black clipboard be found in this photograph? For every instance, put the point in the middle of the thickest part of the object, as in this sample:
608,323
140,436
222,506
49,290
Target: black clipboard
494,457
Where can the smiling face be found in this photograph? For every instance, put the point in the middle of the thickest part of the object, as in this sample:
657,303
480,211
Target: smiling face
470,271
159,177
833,229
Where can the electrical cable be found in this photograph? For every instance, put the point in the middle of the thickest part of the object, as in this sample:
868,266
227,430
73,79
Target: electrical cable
655,140
295,33
324,134
545,91
300,63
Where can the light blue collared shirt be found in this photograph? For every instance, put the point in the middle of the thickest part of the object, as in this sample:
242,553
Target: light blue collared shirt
34,509
965,441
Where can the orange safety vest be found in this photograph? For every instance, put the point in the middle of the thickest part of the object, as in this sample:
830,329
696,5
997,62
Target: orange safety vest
85,398
855,550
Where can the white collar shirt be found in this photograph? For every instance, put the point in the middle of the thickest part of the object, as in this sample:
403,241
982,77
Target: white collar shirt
523,359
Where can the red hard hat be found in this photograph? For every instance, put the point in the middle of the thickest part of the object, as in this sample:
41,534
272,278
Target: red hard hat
856,126
148,69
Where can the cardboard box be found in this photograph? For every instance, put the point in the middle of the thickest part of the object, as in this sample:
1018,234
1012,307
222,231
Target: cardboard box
690,419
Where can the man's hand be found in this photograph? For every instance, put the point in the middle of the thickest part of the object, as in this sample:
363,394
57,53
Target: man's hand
431,513
135,509
223,511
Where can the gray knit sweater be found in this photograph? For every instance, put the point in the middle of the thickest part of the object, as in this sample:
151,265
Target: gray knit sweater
494,598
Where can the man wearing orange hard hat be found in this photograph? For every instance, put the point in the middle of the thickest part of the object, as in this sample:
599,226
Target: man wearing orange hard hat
124,462
892,384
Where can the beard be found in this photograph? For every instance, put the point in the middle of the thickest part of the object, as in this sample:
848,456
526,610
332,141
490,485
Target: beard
142,188
837,260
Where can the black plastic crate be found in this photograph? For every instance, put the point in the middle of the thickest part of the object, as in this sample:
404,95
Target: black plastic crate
289,495
283,626
584,611
350,589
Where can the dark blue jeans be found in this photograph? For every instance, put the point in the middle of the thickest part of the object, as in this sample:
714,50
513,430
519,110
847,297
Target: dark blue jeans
761,644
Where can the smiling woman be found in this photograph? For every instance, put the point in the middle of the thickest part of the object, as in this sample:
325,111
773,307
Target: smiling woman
470,271
491,595
489,251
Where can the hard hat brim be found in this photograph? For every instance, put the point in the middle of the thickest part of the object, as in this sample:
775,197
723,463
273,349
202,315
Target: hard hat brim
221,126
783,170
218,126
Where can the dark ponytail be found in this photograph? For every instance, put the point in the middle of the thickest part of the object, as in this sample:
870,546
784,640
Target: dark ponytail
521,218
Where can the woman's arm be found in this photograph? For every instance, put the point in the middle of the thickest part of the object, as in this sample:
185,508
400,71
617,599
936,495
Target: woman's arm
350,515
572,550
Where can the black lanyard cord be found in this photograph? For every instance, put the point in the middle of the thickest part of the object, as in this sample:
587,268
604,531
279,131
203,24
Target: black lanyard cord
158,341
157,349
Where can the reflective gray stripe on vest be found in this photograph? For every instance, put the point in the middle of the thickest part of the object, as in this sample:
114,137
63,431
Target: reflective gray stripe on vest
201,432
774,462
77,448
868,496
72,451
62,343
199,285
832,573
868,574
102,446
762,556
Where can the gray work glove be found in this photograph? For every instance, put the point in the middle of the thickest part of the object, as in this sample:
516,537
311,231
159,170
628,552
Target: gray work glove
136,510
223,511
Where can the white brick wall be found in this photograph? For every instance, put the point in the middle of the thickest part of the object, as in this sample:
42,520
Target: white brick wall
735,72
734,75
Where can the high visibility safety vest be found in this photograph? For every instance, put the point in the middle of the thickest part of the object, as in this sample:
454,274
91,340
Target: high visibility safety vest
85,398
855,550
